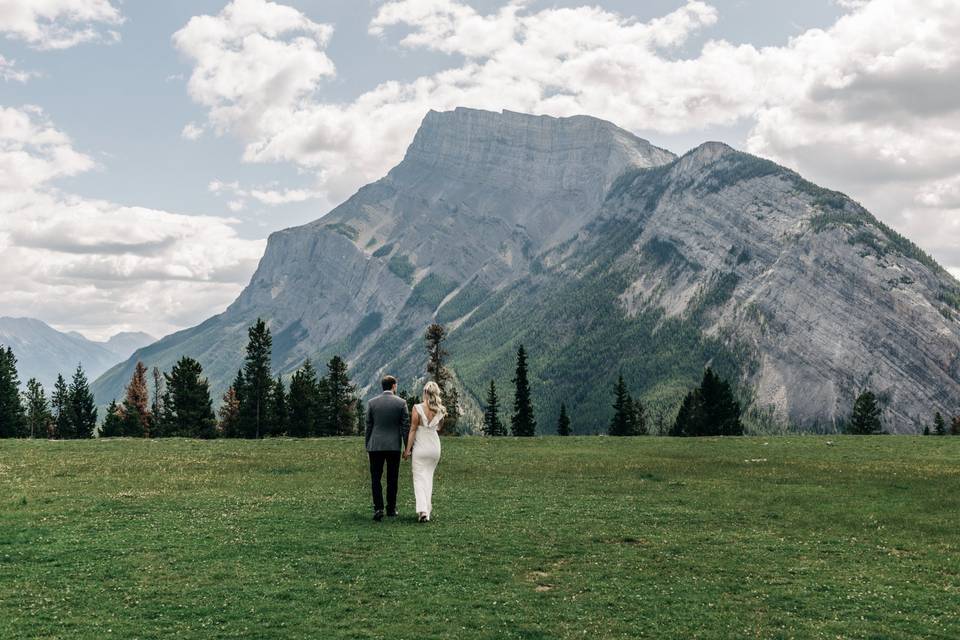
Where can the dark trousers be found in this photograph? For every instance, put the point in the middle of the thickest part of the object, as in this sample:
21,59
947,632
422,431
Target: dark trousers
377,458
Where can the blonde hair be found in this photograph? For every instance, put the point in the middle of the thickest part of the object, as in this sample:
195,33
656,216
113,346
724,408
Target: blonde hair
431,398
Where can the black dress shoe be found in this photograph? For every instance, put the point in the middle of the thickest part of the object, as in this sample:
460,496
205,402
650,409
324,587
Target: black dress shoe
378,515
392,513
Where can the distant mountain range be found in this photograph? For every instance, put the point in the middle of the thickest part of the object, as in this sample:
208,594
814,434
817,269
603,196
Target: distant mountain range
602,254
42,352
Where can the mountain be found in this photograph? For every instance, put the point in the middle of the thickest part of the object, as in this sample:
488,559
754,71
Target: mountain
126,342
43,352
601,253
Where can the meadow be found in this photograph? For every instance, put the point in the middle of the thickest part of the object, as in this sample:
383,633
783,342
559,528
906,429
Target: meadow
581,537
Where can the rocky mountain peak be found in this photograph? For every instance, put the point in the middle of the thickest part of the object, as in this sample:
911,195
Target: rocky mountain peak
704,155
533,152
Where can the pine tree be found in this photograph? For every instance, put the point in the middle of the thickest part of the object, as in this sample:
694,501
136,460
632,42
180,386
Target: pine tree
623,414
257,383
60,402
436,354
451,401
228,423
324,425
522,422
865,419
156,407
440,373
112,426
955,426
563,422
11,410
340,393
690,420
187,406
136,405
39,421
709,410
82,408
278,406
926,430
360,414
721,408
304,402
410,398
939,425
492,425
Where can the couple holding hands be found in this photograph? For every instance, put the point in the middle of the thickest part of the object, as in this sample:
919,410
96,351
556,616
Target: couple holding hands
387,435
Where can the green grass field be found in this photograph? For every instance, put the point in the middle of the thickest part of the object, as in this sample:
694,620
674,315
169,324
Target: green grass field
543,538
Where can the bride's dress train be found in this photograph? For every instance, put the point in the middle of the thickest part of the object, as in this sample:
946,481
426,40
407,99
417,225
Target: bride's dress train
425,456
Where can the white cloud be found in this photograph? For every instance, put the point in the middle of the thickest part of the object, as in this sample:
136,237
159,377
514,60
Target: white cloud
216,186
253,60
33,152
95,265
284,196
191,131
869,105
270,195
10,73
944,193
59,24
259,77
451,27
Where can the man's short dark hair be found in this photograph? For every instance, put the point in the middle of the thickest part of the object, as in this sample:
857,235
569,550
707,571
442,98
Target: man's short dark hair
388,382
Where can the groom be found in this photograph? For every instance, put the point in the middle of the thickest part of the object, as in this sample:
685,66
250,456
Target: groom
388,421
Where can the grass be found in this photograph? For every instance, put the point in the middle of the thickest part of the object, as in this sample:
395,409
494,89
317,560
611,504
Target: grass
542,538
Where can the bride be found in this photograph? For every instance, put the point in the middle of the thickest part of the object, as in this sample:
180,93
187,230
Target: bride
424,445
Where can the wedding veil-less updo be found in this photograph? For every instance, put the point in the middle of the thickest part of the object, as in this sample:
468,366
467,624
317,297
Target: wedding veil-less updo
431,398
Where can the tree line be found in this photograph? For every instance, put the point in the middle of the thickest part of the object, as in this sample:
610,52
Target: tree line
70,412
709,409
257,404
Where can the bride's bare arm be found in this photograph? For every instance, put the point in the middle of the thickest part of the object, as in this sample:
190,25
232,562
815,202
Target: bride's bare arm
414,423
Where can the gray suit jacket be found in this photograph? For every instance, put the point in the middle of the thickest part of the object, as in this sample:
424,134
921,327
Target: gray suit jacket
388,422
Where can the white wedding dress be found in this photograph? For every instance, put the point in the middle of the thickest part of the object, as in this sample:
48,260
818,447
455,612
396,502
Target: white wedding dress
425,456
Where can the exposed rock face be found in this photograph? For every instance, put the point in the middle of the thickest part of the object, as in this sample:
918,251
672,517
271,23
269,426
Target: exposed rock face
544,175
600,251
476,198
824,300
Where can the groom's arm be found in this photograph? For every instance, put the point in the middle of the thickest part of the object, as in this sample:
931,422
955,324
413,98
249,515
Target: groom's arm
405,424
369,424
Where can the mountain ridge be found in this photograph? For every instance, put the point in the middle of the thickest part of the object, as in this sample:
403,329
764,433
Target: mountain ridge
43,352
702,258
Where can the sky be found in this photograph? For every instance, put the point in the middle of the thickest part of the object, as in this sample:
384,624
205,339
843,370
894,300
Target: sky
147,149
